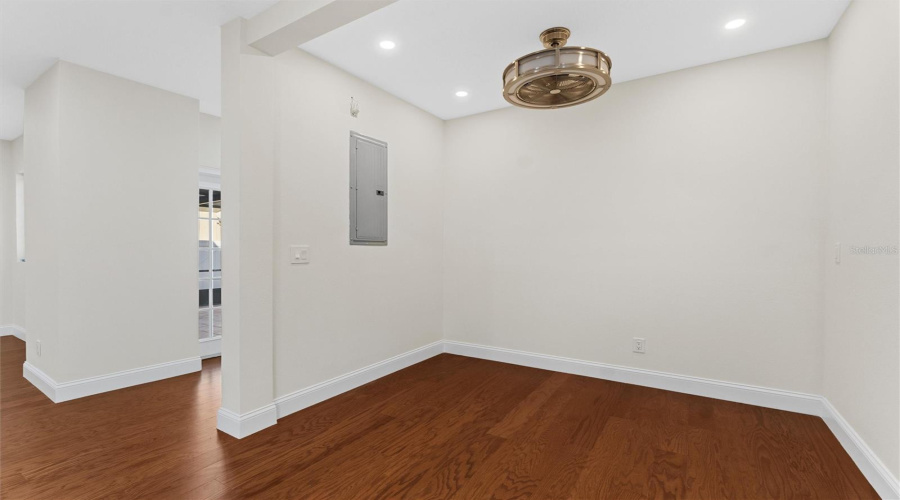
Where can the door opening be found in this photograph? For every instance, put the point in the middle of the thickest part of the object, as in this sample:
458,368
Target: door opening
209,229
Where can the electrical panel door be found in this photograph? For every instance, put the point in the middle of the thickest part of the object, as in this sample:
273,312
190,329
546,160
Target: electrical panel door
368,191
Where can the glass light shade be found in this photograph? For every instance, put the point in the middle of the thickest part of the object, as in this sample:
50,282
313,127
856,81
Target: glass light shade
536,61
580,57
545,71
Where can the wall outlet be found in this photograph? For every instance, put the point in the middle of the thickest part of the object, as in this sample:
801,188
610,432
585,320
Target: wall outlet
37,347
639,344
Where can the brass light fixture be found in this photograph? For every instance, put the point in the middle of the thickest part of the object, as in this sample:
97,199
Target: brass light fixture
557,76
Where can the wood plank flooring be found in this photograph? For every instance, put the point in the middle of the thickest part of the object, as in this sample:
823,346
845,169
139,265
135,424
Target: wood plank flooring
449,427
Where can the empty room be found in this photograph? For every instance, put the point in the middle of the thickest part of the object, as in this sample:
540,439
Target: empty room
469,249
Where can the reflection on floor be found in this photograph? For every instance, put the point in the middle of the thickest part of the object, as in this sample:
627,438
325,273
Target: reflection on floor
203,324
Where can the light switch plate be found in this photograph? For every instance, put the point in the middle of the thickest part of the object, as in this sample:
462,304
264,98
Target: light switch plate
299,254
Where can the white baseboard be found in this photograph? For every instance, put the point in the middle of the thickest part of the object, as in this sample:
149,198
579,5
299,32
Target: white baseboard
14,330
317,393
241,426
210,348
872,468
66,391
740,393
40,380
879,476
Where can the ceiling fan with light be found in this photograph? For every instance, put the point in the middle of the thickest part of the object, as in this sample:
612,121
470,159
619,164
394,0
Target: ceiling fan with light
558,76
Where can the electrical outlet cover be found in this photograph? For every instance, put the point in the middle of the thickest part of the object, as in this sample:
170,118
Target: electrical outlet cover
639,345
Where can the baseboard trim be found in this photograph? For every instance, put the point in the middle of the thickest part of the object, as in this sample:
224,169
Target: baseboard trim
13,330
242,425
872,468
879,476
759,396
41,380
66,391
317,393
210,348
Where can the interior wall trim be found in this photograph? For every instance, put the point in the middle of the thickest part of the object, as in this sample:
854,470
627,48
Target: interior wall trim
66,391
739,393
317,393
41,380
879,476
872,468
242,425
210,177
14,330
210,347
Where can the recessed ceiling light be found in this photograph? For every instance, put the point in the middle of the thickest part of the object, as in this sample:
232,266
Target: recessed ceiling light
461,93
735,23
387,44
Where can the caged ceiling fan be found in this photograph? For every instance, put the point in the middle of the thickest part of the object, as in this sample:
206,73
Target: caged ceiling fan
557,76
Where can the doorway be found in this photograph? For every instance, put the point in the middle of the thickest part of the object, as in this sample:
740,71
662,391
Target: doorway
209,231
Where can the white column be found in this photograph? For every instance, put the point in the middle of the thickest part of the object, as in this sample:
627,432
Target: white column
248,159
249,124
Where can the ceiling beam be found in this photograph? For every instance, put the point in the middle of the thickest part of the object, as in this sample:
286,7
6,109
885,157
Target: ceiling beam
290,23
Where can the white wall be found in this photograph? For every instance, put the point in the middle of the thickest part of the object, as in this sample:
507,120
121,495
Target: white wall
248,164
210,141
684,208
862,329
111,209
12,272
7,230
352,305
42,224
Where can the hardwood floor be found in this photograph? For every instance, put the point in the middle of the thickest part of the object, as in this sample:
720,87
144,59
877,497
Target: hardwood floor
449,427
